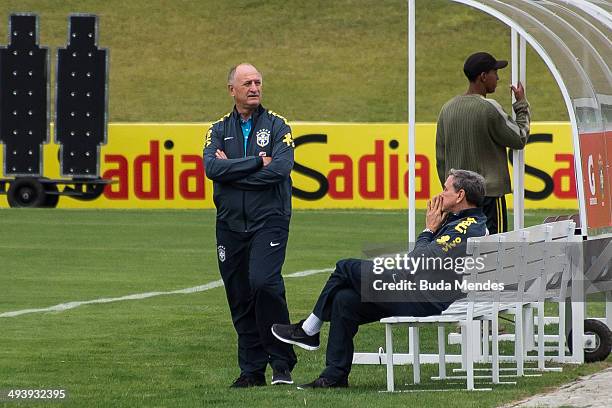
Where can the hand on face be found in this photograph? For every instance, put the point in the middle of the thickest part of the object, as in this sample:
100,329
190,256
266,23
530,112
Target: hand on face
435,216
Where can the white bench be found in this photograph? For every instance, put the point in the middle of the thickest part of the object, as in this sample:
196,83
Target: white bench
533,263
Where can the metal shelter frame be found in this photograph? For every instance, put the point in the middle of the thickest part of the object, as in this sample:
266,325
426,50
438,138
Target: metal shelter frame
573,38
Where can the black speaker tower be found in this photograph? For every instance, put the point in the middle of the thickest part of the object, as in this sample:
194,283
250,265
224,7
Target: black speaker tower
81,108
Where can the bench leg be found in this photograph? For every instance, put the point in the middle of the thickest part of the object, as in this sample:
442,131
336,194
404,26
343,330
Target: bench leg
470,336
441,352
562,309
528,329
410,336
609,309
519,352
464,347
578,309
495,347
485,341
389,347
541,344
416,359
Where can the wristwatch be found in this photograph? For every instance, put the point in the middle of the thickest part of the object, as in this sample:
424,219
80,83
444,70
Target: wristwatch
428,230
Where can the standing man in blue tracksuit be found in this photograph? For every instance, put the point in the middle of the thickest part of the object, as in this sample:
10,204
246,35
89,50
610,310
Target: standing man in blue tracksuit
248,154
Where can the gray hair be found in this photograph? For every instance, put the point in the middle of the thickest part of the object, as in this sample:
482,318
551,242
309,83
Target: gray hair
232,72
472,183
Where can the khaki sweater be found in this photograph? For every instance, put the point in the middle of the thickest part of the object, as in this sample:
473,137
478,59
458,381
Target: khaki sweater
473,133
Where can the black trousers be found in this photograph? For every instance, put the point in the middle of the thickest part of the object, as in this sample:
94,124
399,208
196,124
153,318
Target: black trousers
497,214
340,304
250,264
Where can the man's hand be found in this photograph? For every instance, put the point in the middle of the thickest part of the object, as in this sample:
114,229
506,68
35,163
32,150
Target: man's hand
519,91
434,217
220,154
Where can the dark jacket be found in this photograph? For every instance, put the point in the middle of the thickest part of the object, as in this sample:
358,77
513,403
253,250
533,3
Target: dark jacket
435,260
247,194
449,242
451,239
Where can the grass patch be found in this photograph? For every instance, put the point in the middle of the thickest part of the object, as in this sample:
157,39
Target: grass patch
179,350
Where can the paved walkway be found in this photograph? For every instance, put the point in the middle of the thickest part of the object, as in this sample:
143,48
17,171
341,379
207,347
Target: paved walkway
593,391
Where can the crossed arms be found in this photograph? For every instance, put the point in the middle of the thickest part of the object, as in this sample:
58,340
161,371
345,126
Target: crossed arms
249,173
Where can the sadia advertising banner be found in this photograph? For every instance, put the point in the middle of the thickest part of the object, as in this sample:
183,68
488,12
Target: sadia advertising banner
337,165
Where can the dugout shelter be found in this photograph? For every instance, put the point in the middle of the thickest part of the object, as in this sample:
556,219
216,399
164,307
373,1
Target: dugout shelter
573,38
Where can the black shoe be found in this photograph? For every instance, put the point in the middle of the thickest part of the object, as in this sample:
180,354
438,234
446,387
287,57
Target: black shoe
294,334
245,381
281,377
323,382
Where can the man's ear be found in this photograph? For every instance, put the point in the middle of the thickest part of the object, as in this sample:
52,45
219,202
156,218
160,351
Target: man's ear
230,89
460,196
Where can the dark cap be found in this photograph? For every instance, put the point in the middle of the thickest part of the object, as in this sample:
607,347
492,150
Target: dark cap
480,62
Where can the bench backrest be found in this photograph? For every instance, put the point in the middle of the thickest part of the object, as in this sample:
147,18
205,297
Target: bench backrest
533,263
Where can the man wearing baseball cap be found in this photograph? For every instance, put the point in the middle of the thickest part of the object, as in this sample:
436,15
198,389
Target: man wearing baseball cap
474,132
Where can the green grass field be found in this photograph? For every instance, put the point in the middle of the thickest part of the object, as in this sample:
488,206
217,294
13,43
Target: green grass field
341,60
179,350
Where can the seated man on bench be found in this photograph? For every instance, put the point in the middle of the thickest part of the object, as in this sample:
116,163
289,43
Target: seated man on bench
452,217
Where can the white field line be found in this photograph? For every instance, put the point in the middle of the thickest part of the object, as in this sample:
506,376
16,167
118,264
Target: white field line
211,285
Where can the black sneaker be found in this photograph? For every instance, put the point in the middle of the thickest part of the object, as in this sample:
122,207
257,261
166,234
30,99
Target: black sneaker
246,381
281,377
323,382
294,334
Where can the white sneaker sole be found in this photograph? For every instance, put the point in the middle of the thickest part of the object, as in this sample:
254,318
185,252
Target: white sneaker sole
281,382
302,345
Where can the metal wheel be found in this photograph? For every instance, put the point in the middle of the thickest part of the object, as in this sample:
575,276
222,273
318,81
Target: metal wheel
602,347
26,192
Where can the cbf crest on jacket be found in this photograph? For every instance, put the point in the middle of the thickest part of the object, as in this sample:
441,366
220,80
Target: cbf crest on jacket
246,193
